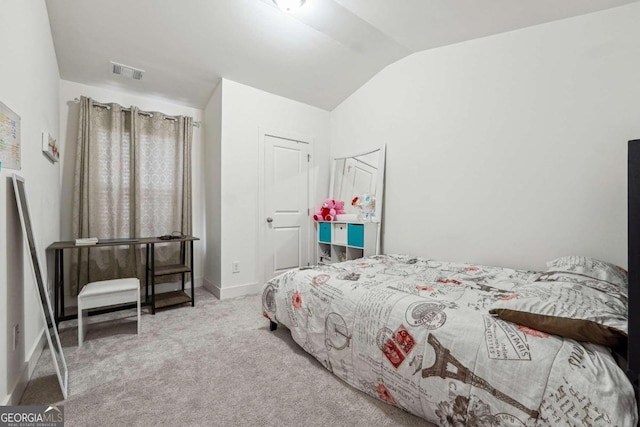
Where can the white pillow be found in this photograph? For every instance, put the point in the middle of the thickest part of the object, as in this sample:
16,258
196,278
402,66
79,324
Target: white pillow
588,267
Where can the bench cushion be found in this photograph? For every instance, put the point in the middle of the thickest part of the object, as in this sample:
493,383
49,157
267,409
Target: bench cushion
110,286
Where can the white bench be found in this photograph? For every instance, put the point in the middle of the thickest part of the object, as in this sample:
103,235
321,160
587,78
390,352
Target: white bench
105,293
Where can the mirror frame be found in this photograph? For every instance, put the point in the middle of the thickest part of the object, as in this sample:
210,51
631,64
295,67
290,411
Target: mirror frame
380,178
50,324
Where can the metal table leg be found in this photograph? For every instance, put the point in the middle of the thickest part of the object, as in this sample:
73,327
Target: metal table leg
193,295
61,287
146,275
153,278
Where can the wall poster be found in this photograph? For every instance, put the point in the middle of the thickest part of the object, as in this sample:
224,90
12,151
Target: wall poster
9,138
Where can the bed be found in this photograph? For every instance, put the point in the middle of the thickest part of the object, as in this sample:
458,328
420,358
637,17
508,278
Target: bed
427,336
472,345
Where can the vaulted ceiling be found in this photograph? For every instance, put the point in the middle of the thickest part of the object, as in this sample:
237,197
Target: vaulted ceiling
318,56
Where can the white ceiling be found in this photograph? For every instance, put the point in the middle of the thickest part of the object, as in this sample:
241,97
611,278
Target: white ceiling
318,56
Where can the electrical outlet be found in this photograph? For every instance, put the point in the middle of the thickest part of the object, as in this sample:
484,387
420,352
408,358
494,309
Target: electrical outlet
16,335
235,267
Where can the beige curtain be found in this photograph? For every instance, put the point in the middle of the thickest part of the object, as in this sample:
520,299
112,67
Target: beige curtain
162,180
132,179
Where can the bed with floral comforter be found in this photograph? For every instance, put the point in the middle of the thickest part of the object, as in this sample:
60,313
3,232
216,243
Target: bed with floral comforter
418,334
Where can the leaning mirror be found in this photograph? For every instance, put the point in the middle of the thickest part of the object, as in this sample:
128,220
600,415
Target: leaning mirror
355,175
52,331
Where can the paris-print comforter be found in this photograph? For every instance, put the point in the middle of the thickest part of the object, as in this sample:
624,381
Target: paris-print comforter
417,334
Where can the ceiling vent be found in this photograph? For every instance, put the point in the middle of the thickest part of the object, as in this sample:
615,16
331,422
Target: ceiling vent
126,71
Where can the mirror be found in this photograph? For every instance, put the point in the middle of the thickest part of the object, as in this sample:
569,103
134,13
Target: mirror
52,331
355,175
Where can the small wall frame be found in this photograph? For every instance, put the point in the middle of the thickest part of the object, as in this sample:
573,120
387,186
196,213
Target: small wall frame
50,147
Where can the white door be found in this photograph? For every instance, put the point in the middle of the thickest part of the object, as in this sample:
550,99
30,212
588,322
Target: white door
359,178
286,203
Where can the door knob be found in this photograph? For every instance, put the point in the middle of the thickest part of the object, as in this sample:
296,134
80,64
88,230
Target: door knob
269,219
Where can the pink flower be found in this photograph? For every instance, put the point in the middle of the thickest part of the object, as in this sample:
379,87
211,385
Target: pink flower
385,395
509,297
533,332
471,268
296,299
424,288
454,281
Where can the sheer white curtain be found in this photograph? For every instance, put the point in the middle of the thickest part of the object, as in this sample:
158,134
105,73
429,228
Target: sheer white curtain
132,179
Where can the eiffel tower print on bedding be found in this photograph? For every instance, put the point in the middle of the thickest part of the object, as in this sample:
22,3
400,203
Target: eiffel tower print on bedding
418,334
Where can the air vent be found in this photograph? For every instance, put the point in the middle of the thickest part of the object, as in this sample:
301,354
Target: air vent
126,71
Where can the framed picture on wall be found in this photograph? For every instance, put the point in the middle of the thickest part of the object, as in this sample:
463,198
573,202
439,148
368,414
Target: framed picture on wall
50,147
9,138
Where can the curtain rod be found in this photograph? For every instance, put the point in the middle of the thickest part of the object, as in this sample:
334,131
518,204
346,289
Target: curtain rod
144,113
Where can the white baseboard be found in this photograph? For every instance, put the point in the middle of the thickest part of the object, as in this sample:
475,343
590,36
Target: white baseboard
215,290
231,291
35,353
13,398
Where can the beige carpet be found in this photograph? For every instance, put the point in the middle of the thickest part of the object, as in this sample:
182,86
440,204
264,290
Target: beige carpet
213,365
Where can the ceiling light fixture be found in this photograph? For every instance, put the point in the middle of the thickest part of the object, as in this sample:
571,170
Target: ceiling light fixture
289,6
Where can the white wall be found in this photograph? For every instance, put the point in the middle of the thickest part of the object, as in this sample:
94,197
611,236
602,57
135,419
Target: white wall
213,186
510,149
69,111
29,86
245,111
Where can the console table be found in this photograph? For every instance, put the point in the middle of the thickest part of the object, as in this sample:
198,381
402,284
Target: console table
164,299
